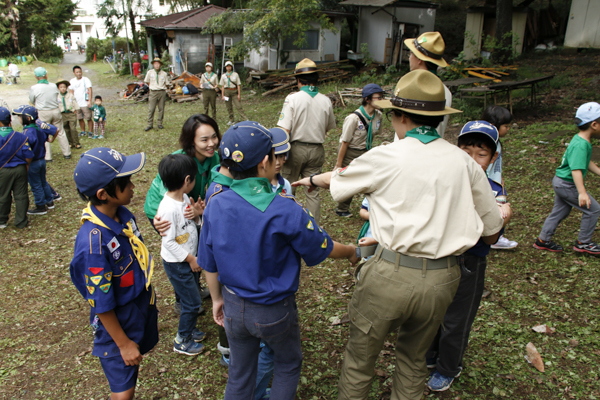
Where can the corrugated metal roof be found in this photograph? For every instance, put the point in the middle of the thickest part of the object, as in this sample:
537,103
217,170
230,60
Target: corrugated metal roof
395,3
193,19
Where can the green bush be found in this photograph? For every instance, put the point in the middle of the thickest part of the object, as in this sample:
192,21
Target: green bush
104,47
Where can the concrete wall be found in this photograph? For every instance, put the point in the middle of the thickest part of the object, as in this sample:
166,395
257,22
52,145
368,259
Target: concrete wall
583,29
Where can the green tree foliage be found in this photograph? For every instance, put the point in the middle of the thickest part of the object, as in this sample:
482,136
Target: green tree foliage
114,12
269,22
9,37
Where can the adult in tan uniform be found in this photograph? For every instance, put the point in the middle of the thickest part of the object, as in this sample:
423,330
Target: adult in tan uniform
429,202
307,115
210,85
232,92
157,82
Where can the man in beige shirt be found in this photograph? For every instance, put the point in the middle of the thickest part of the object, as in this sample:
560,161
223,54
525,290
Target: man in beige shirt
429,202
157,82
307,115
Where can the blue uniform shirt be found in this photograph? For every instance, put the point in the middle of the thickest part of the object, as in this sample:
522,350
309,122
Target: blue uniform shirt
37,137
283,185
258,254
481,249
219,183
14,148
106,272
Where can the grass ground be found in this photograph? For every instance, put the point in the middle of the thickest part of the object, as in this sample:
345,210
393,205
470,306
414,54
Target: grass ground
45,341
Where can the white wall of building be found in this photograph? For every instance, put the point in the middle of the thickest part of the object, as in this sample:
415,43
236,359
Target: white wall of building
583,29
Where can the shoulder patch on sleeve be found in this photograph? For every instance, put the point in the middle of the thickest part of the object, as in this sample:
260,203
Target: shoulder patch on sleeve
95,241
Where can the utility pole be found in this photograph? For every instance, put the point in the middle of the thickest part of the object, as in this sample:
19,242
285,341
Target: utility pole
127,38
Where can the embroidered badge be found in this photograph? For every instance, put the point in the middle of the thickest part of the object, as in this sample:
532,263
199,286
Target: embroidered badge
113,244
87,279
341,171
96,279
106,287
127,280
181,239
361,127
108,276
324,245
226,152
92,302
96,270
116,255
423,40
378,125
310,226
237,156
320,230
91,289
116,155
281,116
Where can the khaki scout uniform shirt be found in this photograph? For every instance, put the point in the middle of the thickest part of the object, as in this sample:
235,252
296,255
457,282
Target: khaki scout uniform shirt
207,78
355,133
307,118
157,83
232,83
69,101
43,96
425,200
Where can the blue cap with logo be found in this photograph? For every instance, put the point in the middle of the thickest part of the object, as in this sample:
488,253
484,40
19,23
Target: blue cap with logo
587,112
370,89
482,127
5,117
281,140
246,143
40,71
99,166
30,111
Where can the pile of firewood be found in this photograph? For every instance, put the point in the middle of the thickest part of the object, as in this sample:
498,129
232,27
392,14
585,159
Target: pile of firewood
181,81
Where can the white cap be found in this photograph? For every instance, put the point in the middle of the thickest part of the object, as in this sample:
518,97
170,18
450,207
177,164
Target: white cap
588,112
208,64
229,63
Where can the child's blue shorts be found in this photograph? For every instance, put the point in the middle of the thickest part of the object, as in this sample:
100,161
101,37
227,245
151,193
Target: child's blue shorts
120,376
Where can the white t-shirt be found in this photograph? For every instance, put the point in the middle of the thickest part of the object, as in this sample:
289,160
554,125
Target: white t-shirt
79,88
13,70
182,236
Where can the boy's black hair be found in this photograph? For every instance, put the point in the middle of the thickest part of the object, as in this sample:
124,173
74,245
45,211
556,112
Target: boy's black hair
585,126
366,99
188,132
311,79
75,67
249,173
431,67
98,98
5,123
111,190
427,120
27,119
174,168
497,116
477,139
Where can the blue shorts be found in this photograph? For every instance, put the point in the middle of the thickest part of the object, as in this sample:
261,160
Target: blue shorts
120,376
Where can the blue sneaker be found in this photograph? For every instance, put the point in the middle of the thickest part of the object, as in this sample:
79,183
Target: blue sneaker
439,382
224,361
198,335
90,135
187,347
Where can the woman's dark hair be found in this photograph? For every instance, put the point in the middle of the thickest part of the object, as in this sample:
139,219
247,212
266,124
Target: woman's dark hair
174,168
249,173
497,116
311,79
427,120
111,190
585,126
188,132
477,139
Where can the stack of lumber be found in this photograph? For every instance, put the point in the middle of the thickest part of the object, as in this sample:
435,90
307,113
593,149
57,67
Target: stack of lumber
183,80
492,73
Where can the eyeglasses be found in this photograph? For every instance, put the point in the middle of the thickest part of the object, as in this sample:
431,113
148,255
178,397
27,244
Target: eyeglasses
389,115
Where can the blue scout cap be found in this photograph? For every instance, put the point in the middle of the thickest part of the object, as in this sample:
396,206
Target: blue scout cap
246,143
99,166
281,140
30,111
5,117
482,127
370,89
40,71
588,112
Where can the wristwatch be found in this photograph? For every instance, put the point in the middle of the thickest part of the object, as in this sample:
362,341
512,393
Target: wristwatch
311,180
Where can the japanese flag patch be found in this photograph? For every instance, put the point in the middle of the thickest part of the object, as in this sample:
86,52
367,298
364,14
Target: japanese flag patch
113,245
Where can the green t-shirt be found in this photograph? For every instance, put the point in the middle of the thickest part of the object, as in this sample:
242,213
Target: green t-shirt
577,157
157,189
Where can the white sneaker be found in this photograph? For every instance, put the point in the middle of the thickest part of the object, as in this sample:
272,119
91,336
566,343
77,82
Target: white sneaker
504,244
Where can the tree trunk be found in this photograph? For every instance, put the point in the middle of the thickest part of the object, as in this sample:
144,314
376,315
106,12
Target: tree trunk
503,50
12,11
134,35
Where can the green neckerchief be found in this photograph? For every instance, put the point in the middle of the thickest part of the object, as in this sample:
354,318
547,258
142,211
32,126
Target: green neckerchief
5,131
216,176
370,129
156,76
312,90
256,191
228,81
424,133
32,125
208,77
64,104
363,231
43,81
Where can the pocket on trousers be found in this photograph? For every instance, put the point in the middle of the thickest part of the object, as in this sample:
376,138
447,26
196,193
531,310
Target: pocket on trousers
444,293
359,320
388,298
275,328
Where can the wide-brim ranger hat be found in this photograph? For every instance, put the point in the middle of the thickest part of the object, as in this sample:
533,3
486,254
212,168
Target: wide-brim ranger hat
306,66
247,144
27,110
483,128
99,166
157,59
66,82
281,140
419,92
429,46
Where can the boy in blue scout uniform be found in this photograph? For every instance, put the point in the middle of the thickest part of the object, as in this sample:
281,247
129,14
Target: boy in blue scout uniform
281,147
252,243
112,268
38,134
15,156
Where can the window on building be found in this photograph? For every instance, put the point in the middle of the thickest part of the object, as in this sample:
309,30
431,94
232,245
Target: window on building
311,43
161,2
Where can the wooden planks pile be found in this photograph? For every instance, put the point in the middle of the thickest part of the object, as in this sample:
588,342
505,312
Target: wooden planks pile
181,81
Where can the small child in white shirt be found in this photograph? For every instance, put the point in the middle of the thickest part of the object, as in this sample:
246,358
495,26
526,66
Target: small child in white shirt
180,245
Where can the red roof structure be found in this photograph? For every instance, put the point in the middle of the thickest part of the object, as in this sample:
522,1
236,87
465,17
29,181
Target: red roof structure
192,19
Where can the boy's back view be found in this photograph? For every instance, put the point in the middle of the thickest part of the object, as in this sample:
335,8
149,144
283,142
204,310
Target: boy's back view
569,187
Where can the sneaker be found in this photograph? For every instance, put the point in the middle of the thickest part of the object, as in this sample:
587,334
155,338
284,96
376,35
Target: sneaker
439,382
431,362
95,137
267,395
68,157
147,128
590,248
99,137
90,135
224,361
38,210
50,205
504,244
344,214
223,350
82,133
198,335
204,292
161,127
187,347
56,196
550,245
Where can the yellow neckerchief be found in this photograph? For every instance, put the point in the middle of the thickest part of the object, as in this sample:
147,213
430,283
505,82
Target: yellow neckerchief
139,248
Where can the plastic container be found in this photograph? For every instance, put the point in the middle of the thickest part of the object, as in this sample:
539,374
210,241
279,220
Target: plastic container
3,62
136,68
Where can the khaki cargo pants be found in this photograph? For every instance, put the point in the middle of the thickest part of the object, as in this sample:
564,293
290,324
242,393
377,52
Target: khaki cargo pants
390,297
70,127
156,98
233,100
209,99
304,160
54,117
351,154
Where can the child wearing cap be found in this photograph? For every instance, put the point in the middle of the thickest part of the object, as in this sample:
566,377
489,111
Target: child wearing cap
252,242
210,85
357,134
112,268
38,133
67,103
99,117
15,157
569,186
179,247
281,147
232,92
478,139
